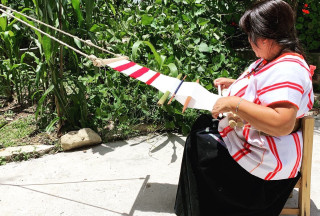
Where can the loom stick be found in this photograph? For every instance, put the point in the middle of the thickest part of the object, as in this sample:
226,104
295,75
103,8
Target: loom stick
220,94
166,95
98,62
219,90
174,94
185,106
111,60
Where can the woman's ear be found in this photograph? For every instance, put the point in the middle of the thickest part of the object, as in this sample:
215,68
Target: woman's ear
265,41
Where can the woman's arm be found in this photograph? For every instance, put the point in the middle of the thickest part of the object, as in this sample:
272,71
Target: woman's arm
277,119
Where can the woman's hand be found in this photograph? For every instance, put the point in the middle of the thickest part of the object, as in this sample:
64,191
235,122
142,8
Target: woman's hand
224,82
223,104
277,119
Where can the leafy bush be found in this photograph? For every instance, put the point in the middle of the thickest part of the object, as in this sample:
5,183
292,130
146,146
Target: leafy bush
186,37
308,23
194,37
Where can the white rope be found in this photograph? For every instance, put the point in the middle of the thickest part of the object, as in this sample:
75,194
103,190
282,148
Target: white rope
98,62
88,42
53,38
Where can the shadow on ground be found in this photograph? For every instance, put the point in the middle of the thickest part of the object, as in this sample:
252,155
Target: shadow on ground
170,138
157,197
293,203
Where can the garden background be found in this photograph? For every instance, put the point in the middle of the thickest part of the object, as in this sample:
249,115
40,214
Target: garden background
59,91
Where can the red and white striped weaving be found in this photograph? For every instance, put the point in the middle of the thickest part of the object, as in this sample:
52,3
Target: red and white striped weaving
201,97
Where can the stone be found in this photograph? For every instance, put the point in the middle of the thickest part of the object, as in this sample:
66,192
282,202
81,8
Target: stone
8,152
80,138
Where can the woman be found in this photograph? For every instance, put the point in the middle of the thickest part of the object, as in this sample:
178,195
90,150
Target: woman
251,171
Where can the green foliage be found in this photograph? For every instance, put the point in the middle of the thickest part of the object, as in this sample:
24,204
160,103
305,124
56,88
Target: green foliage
316,104
308,23
3,122
14,74
197,38
184,36
24,156
2,161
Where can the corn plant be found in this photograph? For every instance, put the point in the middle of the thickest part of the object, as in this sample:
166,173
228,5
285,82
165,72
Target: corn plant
15,74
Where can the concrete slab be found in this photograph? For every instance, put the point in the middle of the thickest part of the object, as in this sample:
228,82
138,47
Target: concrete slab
137,177
134,177
7,153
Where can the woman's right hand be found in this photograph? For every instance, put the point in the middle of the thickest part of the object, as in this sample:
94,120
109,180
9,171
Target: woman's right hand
224,82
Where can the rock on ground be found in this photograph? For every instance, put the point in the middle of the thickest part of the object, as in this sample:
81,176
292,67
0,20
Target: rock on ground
76,139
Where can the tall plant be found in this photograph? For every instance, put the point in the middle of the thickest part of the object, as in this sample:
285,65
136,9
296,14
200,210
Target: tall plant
16,75
55,86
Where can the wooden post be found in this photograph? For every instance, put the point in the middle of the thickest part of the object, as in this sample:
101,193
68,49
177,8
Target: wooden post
304,193
304,183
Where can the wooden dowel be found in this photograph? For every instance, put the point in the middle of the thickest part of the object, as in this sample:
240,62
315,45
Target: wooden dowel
185,106
112,60
166,94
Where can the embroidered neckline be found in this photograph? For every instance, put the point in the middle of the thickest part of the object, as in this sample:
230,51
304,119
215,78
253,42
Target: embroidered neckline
257,68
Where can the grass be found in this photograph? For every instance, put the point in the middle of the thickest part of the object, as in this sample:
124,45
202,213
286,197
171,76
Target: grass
18,128
11,133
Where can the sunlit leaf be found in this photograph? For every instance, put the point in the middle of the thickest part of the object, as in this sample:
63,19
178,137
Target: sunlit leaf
76,7
89,12
77,42
47,47
154,51
202,21
146,19
203,47
173,69
112,9
3,23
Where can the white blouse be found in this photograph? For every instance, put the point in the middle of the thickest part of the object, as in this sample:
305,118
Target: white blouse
287,78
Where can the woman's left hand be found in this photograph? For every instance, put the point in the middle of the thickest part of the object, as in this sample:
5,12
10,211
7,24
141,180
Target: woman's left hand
223,104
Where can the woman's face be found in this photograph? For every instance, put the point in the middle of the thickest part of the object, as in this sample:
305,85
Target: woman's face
259,49
265,48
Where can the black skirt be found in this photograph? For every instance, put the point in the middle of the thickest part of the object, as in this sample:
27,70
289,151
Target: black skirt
212,183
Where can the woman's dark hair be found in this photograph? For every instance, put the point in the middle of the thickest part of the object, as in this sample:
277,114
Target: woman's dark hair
272,19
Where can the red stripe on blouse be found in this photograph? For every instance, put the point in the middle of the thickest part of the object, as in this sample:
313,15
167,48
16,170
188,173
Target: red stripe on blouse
257,101
280,85
274,151
242,152
298,148
283,60
246,131
124,67
300,63
241,92
150,81
225,131
310,104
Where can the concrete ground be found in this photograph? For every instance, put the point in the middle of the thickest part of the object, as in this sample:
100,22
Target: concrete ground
137,177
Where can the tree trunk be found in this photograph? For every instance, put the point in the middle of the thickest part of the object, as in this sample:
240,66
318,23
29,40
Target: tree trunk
294,4
60,114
